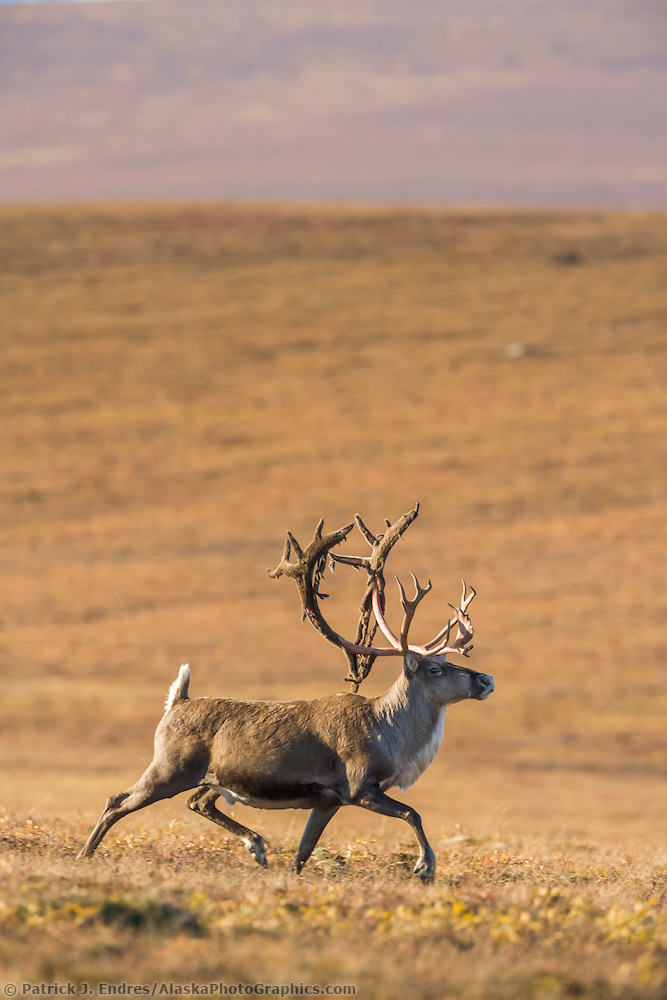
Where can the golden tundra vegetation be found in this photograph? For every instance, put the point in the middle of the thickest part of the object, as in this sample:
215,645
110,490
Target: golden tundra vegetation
183,383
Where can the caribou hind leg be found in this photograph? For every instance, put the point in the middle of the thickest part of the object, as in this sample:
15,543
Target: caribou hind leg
203,802
151,787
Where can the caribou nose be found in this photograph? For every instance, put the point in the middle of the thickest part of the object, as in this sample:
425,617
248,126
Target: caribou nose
487,686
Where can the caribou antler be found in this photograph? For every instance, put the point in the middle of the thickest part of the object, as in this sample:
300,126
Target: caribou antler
309,569
440,645
308,572
463,632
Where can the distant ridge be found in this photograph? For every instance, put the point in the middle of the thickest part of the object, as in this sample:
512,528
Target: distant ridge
436,101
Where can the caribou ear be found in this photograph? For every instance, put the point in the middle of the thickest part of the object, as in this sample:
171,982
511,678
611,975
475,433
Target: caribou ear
411,661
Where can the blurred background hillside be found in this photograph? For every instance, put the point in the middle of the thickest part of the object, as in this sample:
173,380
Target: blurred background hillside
512,102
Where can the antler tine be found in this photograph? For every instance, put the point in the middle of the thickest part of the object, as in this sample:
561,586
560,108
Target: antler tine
357,561
366,532
362,561
465,630
465,601
284,562
464,634
437,644
409,607
380,619
298,551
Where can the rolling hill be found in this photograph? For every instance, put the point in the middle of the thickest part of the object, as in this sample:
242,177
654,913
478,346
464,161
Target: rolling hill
526,103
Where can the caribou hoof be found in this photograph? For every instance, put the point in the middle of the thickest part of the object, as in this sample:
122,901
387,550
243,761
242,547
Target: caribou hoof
425,869
258,850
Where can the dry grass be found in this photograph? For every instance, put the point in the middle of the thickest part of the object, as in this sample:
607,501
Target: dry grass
505,919
182,384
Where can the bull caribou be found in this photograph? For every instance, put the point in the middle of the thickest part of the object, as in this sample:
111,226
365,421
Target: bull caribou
338,750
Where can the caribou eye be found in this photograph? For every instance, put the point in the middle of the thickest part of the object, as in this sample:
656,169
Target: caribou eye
434,670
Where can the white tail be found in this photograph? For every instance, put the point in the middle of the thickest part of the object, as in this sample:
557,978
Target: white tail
179,689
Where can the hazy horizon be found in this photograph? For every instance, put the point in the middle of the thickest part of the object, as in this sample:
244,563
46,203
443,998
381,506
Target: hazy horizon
441,101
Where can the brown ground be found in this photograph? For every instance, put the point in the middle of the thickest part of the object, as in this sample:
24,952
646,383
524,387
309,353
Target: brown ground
184,383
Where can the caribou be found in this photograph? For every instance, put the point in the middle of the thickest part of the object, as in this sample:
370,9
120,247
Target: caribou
325,753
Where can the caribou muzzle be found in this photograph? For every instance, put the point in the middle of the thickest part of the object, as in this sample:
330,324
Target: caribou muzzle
483,686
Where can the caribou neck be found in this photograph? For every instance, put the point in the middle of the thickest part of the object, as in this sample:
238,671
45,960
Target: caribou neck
410,709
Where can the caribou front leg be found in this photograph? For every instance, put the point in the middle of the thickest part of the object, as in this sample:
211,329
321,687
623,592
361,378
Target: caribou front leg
317,821
378,802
